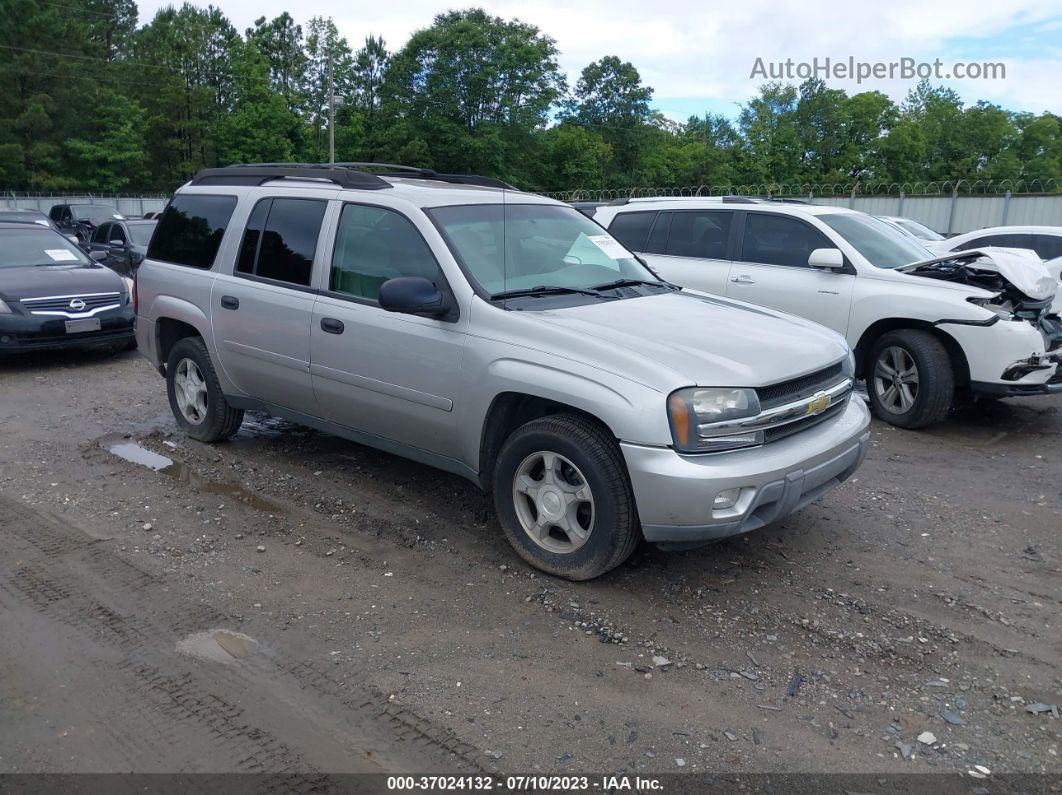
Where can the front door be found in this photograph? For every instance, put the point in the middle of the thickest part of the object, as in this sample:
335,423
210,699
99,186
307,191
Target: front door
391,375
262,312
772,270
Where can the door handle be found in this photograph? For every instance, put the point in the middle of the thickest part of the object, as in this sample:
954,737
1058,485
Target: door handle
230,302
331,325
743,279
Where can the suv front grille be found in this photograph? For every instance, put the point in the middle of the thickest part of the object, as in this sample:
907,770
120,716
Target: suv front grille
782,431
72,305
797,388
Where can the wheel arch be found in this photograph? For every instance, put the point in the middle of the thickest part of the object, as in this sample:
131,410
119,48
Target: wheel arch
959,364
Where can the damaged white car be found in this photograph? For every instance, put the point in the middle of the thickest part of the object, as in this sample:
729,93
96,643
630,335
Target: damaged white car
924,328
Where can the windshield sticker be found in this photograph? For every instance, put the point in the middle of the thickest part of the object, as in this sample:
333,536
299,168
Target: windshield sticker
610,246
61,255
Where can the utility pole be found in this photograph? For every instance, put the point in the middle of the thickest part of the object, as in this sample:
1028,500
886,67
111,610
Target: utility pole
331,114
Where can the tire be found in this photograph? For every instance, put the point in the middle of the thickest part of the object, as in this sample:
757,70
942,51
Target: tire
585,461
208,419
914,403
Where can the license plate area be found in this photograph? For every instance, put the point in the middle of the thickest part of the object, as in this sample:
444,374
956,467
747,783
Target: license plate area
83,325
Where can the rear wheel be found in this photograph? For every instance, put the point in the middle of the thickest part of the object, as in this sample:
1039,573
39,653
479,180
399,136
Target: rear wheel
564,499
909,379
195,393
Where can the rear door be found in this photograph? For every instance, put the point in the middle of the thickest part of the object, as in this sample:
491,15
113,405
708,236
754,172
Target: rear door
687,247
771,269
261,312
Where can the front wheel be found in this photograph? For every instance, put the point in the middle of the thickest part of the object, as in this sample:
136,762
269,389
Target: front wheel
195,393
909,378
564,499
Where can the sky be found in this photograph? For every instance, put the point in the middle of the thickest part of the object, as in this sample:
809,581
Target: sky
699,55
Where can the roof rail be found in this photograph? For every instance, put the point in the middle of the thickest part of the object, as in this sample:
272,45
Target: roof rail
353,174
260,173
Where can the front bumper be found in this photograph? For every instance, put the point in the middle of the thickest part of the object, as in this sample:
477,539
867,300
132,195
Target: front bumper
675,493
21,333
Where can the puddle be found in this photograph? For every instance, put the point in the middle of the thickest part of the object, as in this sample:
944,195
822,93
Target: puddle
219,645
137,454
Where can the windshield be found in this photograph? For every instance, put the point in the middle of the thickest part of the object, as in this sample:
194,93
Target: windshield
25,218
880,244
508,247
919,230
33,246
95,213
141,233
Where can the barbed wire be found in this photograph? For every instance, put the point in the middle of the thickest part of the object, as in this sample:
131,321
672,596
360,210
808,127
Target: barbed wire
810,190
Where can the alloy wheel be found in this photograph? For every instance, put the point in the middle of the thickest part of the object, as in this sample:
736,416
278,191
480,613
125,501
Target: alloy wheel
553,502
190,390
896,380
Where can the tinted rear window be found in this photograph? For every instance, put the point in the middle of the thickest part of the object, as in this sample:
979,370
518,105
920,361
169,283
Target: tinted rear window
699,234
281,240
1048,246
190,230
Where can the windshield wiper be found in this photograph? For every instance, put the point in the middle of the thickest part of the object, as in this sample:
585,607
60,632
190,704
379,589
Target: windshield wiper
543,290
632,283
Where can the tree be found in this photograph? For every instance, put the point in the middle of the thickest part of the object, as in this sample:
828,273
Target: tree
280,42
369,68
259,127
326,51
475,87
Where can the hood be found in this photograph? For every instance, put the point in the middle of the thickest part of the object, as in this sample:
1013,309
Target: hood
18,283
705,340
1020,268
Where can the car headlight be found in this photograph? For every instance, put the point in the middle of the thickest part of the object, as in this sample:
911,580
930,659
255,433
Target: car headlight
694,411
4,309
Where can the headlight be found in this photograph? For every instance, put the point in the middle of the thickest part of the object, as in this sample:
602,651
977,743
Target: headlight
848,367
693,411
4,309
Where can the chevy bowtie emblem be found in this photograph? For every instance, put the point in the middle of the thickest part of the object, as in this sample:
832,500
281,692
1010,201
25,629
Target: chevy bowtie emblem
819,403
77,304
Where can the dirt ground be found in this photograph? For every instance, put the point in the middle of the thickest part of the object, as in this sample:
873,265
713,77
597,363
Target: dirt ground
289,601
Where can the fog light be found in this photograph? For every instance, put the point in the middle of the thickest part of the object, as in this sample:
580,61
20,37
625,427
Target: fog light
726,499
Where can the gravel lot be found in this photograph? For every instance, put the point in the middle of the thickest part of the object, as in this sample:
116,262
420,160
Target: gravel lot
289,601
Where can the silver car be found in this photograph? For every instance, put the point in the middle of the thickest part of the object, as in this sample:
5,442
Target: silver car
501,336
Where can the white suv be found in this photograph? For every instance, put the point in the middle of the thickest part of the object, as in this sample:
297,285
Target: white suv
921,328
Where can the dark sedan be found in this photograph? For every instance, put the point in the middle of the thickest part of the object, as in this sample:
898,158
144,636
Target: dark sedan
121,245
32,217
54,296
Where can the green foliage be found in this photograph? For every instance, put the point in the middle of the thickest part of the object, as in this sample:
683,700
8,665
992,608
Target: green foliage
97,99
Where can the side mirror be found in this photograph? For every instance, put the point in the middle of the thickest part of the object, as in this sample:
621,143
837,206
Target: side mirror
827,258
413,295
98,256
118,243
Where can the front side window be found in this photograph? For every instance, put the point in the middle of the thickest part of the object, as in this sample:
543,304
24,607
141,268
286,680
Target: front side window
190,230
523,246
281,240
374,244
141,233
880,244
101,235
781,240
1003,241
699,234
1048,246
116,233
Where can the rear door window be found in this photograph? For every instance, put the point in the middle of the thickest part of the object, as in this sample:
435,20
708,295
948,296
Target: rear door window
281,240
190,230
780,240
701,234
632,229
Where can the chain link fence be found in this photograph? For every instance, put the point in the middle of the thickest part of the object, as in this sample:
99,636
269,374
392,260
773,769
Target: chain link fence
132,205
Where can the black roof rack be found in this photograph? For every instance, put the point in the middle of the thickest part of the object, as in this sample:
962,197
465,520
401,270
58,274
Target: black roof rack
260,173
758,199
346,175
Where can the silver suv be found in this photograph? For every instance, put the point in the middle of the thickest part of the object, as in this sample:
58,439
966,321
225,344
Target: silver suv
501,336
